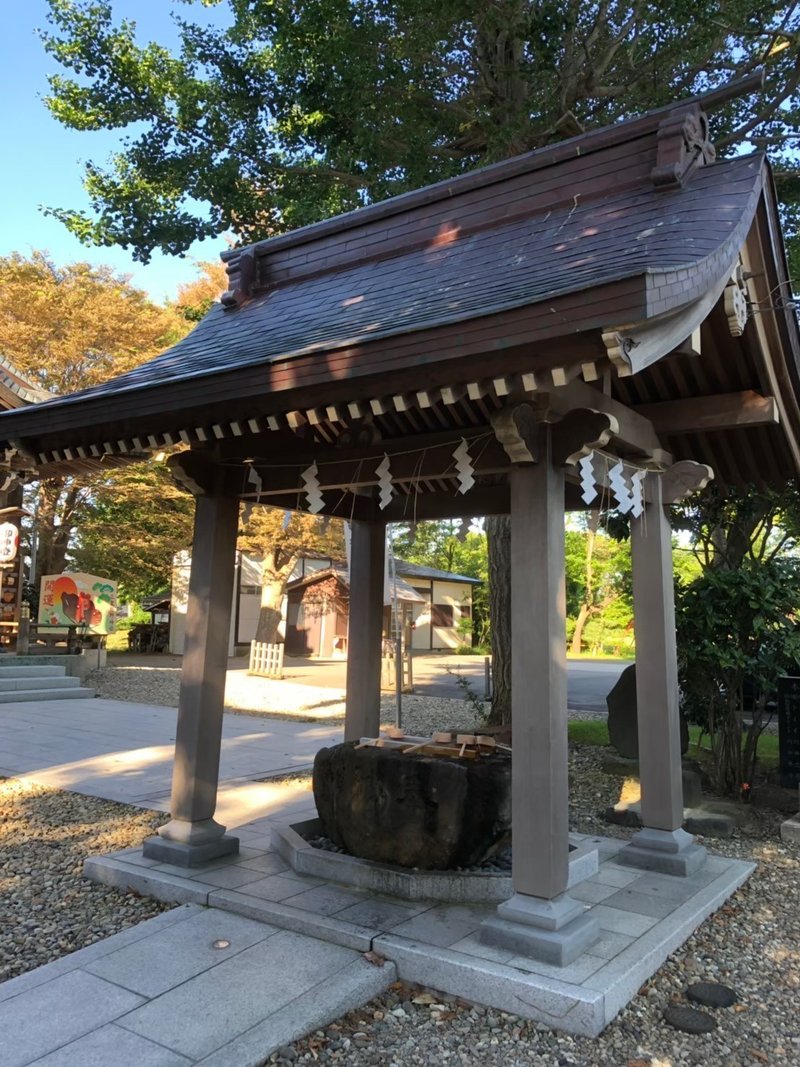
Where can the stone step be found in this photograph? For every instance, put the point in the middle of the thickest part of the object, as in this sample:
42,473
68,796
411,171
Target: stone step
59,681
13,696
33,671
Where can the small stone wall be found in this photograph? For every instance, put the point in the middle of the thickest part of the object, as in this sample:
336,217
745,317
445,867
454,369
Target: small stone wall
460,887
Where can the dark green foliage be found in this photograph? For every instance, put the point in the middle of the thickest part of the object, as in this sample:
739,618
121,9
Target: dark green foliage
295,111
737,627
736,623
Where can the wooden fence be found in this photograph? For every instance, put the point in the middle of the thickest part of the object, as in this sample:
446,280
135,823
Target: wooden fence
266,660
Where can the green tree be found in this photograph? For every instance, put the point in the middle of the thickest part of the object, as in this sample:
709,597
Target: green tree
737,628
598,573
295,111
736,622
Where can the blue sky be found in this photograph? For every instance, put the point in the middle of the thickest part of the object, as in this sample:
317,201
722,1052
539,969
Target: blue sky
42,161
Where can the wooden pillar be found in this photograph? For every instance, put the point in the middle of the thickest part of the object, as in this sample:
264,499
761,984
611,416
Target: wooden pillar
365,630
662,845
539,681
192,836
540,919
656,666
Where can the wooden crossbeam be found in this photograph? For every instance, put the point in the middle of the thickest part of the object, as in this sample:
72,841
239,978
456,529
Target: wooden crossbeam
700,414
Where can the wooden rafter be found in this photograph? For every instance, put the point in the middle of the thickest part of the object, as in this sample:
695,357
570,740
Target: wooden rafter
725,411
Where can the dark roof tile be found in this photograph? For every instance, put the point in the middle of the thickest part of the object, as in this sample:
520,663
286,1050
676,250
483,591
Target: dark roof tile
579,246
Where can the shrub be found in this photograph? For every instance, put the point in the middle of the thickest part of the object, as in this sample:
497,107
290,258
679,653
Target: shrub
736,629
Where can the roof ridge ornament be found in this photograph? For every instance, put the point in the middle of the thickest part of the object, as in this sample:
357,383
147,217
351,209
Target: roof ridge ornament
683,146
241,279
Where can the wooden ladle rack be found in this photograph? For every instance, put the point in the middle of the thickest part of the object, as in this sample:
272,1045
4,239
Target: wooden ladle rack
441,743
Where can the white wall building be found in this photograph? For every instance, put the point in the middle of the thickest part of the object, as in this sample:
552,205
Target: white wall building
433,621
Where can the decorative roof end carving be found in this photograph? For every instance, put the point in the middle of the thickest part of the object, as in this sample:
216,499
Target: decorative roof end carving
242,280
736,305
683,145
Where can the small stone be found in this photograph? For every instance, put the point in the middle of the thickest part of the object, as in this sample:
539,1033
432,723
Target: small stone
690,1020
711,994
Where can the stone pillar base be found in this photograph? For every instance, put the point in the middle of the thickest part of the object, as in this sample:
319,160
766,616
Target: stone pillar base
663,851
790,830
190,844
554,931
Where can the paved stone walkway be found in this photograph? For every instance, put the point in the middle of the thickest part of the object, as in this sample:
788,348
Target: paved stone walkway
192,986
123,751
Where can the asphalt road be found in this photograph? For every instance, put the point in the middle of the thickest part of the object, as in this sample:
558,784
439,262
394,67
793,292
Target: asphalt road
588,681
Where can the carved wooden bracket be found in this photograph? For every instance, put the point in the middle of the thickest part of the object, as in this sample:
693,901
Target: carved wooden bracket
242,277
18,449
516,428
683,145
579,433
682,479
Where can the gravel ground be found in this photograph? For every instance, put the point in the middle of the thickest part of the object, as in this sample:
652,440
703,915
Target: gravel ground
46,908
752,944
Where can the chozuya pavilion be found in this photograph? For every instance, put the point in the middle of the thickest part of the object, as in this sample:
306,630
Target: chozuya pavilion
609,318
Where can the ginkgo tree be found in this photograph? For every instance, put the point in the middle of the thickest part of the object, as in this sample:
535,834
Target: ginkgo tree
66,328
279,539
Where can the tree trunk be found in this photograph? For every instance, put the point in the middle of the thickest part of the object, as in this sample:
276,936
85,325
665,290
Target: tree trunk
269,616
498,531
274,576
55,522
577,635
588,597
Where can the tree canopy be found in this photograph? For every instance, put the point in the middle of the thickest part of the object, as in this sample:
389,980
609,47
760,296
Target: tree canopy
69,327
291,112
66,328
130,526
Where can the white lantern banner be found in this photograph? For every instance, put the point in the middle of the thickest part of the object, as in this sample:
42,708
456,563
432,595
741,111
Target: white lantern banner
637,493
9,542
313,492
588,481
464,467
384,482
619,487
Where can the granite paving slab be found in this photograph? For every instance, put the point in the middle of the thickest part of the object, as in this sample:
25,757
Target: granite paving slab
643,917
197,985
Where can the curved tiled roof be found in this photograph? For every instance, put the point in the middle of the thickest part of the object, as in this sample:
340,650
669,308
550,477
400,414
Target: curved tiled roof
12,381
579,245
